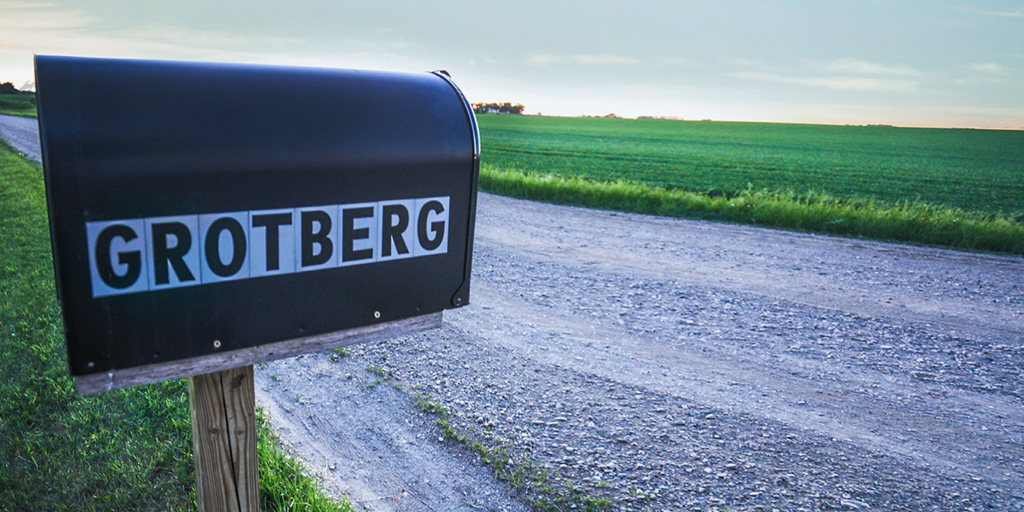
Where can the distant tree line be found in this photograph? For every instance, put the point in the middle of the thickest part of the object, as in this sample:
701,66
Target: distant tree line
9,88
498,108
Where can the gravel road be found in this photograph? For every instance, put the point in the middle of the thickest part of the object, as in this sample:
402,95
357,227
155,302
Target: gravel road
22,133
667,364
680,365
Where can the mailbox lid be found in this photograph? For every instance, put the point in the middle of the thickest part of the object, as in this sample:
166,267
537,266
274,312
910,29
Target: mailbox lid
166,117
135,140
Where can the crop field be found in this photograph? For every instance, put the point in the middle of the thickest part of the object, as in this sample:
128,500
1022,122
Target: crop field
979,171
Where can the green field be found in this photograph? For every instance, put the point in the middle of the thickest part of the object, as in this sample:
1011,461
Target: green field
975,170
18,105
950,187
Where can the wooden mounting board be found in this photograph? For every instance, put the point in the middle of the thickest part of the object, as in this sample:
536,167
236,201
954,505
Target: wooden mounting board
117,379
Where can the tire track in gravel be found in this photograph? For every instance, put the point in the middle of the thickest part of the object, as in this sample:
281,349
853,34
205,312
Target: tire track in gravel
826,398
950,289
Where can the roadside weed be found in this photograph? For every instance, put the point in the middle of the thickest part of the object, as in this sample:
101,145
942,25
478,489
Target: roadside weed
376,370
340,353
516,471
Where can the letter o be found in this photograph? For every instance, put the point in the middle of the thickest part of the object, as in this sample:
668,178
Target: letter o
217,266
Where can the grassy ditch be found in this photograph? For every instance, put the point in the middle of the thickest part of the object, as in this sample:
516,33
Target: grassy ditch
906,221
18,105
122,450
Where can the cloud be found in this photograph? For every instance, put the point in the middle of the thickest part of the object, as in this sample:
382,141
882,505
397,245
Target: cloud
838,83
40,28
990,68
1013,14
543,60
678,61
838,75
28,28
29,16
200,39
984,74
589,60
752,63
868,68
603,60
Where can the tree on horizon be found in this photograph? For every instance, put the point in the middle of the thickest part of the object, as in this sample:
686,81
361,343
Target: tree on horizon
502,108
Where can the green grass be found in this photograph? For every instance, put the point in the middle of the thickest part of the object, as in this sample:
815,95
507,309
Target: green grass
284,483
122,450
906,221
909,184
18,105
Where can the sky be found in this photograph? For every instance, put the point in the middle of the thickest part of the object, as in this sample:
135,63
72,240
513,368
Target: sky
909,63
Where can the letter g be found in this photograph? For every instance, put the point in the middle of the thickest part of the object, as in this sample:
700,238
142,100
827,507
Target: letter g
133,259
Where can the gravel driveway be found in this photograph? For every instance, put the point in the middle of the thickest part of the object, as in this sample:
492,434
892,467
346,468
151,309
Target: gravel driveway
666,364
679,365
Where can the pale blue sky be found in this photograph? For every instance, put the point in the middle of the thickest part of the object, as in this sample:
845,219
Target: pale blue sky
923,63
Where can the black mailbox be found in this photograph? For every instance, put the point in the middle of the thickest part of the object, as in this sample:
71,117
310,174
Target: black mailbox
199,208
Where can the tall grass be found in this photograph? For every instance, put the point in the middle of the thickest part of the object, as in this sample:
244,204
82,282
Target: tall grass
818,212
121,450
284,483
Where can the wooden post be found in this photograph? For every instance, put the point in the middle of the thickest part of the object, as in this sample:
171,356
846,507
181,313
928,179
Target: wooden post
224,440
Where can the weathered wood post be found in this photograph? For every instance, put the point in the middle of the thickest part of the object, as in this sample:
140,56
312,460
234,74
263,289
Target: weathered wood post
224,440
